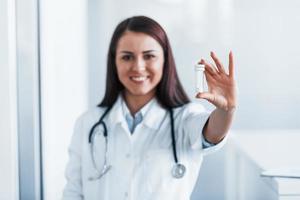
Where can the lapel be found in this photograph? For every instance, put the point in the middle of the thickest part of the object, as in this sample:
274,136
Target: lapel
152,118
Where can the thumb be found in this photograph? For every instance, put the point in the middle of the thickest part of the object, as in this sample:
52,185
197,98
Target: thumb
206,95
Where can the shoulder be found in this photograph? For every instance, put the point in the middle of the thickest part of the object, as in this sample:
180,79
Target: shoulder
90,116
190,108
84,123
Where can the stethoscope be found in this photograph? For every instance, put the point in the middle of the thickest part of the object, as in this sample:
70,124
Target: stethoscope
178,169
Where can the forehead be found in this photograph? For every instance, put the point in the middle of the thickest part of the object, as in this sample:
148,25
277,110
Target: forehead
137,41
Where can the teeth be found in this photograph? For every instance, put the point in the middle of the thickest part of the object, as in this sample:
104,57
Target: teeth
139,78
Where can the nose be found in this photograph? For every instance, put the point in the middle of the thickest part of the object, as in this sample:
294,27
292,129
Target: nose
139,64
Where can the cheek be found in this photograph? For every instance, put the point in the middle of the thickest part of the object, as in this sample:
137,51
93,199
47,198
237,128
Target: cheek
159,74
158,71
121,70
121,76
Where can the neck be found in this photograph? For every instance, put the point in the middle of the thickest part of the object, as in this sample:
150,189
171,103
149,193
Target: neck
136,102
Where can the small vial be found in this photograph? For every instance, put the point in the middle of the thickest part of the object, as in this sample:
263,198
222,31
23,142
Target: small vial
199,77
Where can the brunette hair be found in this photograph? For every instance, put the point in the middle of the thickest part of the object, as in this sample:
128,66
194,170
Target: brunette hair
169,91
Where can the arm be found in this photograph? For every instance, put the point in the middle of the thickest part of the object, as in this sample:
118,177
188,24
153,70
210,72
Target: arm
222,94
218,125
73,187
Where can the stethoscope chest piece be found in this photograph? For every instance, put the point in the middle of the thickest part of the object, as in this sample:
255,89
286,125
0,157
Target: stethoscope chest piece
178,170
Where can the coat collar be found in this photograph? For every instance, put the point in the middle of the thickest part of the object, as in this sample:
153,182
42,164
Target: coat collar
152,118
155,115
115,116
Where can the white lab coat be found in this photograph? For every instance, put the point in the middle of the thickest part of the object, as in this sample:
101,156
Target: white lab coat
141,162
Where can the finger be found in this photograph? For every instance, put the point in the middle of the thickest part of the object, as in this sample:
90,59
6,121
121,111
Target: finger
206,95
210,78
231,65
209,67
218,62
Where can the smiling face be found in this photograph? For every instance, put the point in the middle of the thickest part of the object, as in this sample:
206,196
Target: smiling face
139,61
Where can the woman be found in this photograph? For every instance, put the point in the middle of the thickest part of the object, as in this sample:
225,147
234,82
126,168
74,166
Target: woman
150,140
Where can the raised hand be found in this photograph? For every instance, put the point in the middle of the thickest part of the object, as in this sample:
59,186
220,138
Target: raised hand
221,86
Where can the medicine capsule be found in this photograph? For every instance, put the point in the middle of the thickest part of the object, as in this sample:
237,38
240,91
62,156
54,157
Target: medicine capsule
199,77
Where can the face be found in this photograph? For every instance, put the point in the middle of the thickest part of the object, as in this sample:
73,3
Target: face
139,61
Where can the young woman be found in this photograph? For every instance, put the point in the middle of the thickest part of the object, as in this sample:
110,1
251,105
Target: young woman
146,140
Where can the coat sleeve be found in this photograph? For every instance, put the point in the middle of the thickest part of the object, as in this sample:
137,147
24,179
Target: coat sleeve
195,119
73,187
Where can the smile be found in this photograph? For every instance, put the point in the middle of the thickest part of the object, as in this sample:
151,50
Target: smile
139,79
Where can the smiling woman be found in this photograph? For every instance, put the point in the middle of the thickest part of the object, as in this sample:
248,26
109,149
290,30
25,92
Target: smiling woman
139,61
133,38
153,138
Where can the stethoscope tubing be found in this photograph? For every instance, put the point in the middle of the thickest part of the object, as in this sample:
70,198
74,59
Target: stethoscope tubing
100,121
178,170
173,136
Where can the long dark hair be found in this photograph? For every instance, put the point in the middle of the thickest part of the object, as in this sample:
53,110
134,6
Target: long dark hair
169,91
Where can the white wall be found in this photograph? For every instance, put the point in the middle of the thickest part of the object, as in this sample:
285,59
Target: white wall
63,84
8,122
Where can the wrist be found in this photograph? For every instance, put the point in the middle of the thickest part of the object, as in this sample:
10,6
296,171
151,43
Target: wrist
228,110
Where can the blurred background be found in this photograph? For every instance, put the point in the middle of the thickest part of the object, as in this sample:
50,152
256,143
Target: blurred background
53,68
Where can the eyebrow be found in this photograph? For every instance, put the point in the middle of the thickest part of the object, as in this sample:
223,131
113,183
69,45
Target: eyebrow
129,52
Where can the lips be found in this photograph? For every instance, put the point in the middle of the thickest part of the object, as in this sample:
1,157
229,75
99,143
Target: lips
138,79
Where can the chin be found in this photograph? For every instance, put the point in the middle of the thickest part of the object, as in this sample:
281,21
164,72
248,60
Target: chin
140,92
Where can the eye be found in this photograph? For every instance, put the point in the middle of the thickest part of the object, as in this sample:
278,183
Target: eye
149,56
126,57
